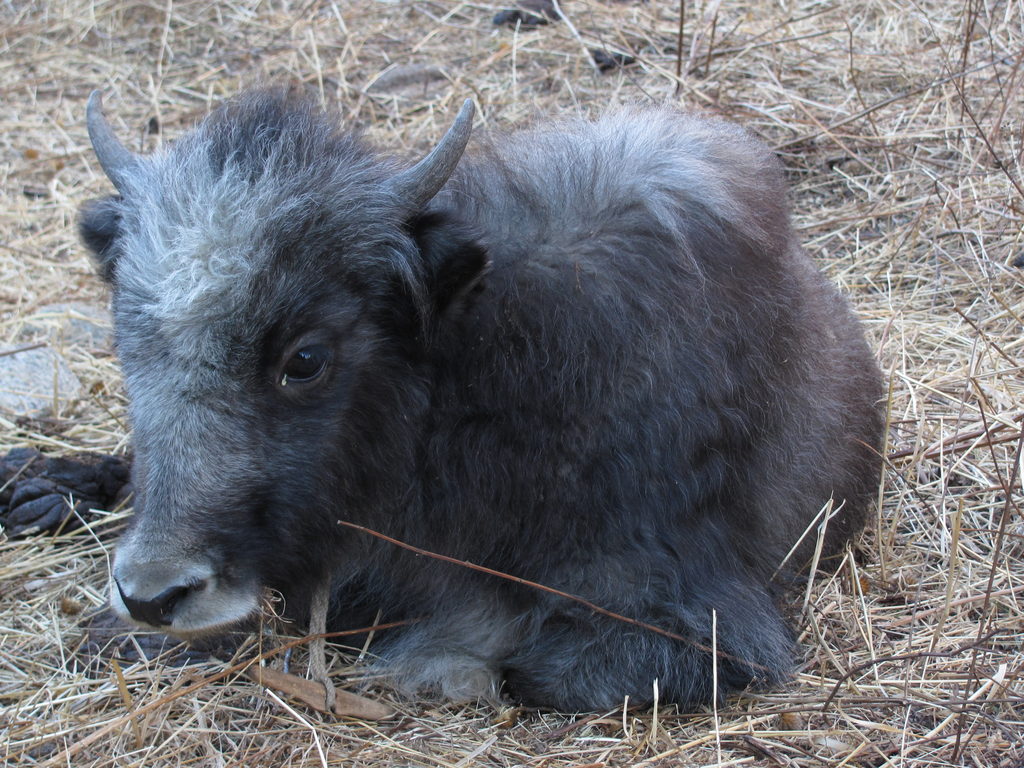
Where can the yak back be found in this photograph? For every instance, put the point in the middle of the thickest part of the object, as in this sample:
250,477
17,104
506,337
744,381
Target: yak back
653,370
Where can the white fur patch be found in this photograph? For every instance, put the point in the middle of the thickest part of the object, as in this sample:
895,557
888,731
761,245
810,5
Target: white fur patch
193,237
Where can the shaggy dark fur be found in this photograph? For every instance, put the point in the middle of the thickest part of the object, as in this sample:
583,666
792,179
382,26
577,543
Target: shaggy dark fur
597,360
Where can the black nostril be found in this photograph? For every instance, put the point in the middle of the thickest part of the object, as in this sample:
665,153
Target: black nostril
156,611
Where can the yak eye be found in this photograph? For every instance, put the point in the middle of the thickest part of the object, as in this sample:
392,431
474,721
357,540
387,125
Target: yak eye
305,365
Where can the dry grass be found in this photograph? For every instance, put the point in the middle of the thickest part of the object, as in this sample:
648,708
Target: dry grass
901,127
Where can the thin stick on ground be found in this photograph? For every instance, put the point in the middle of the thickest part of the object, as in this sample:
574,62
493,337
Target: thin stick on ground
551,590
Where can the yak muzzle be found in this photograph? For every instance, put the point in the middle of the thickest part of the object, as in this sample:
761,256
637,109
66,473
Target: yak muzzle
182,596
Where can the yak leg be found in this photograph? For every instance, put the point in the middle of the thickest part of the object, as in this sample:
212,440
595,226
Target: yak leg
586,662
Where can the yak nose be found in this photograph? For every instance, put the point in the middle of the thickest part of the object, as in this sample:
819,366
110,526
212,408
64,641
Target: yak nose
156,611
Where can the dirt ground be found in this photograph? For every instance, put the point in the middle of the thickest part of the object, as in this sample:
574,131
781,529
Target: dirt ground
901,127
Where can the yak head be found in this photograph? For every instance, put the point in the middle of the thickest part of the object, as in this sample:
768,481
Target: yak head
275,289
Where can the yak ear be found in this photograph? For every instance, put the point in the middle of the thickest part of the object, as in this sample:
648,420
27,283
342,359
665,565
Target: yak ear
99,223
455,260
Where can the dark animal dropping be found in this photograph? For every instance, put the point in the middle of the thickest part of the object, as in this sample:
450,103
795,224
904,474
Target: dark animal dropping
39,494
606,61
529,15
589,354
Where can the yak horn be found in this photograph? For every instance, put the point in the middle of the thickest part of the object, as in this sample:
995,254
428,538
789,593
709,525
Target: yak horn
418,185
115,159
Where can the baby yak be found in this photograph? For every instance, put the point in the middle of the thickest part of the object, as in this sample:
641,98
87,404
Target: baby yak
590,354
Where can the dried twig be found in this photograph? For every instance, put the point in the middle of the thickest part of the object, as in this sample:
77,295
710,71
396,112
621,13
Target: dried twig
318,645
311,692
237,668
718,653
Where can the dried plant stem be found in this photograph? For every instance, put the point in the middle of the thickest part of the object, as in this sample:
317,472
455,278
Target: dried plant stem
318,645
237,668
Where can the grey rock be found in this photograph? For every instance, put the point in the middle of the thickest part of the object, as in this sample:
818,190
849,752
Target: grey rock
74,323
408,80
35,381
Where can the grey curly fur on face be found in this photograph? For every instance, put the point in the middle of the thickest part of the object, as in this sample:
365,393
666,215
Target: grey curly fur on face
597,359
